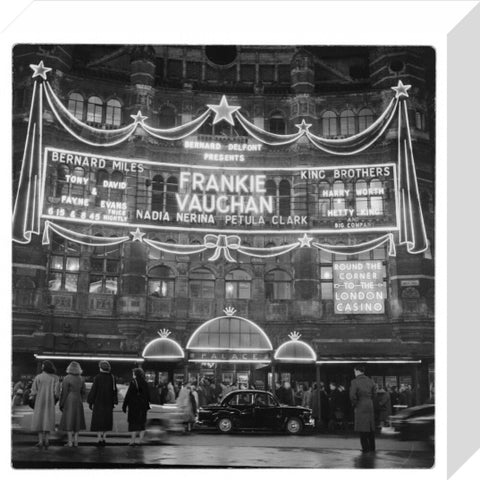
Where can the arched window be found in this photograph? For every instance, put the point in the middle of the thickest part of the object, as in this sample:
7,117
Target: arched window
102,191
157,193
78,188
24,292
172,189
329,124
104,269
271,191
361,196
161,282
64,264
61,186
116,193
339,189
284,198
201,283
365,119
113,115
376,196
347,123
238,284
167,117
277,123
323,198
419,120
94,110
75,105
278,285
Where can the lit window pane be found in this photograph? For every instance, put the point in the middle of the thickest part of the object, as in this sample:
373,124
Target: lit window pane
95,285
56,263
73,264
71,282
379,253
327,291
55,281
326,273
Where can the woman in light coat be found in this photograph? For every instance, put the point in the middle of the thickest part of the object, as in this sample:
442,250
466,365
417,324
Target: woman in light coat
71,404
45,391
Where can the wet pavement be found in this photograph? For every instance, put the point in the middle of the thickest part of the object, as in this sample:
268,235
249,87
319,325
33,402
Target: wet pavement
236,450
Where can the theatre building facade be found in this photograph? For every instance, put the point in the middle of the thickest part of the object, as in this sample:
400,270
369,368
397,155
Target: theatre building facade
246,213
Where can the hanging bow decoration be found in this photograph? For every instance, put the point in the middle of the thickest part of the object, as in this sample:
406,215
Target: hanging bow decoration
222,244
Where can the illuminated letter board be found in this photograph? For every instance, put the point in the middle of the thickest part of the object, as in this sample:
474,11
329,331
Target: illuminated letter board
89,188
358,287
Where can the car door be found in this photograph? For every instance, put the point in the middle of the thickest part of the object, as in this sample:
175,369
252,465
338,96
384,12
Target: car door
267,412
242,404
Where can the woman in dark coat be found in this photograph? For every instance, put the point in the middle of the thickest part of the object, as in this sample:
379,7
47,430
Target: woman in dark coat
137,401
362,396
71,404
102,400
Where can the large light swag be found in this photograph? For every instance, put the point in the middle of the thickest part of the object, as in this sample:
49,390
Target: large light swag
28,204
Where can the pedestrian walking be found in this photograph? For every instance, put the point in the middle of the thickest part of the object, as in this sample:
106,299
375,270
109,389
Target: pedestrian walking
71,404
102,399
185,402
384,406
170,396
307,396
137,401
45,393
335,409
362,395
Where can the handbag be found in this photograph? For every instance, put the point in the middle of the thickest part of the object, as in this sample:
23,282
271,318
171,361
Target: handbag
31,402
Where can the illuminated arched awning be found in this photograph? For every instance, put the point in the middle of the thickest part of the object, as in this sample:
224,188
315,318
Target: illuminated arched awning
229,333
163,348
295,350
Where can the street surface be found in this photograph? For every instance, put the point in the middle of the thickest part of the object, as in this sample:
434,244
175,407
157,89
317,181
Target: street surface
208,449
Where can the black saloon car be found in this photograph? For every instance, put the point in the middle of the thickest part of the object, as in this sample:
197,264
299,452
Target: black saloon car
254,410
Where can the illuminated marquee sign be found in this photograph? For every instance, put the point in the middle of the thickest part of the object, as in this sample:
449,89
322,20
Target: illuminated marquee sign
358,287
229,357
88,188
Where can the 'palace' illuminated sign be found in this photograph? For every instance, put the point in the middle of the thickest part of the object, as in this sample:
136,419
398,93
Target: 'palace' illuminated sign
88,188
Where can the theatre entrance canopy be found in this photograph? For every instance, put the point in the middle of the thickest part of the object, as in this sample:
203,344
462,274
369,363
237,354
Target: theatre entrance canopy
163,349
295,351
229,339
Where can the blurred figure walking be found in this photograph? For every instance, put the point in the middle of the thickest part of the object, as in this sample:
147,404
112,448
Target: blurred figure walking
45,393
137,401
102,399
71,404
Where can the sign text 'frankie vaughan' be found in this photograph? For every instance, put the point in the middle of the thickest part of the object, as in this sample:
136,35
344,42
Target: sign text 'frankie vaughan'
86,188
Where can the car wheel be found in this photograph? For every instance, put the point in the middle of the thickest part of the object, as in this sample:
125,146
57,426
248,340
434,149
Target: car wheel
294,426
225,425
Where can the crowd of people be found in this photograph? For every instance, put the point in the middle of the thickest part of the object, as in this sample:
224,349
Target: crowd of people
42,393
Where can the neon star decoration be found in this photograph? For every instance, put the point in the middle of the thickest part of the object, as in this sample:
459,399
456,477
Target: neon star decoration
401,90
223,111
304,126
229,311
305,241
137,235
139,118
40,70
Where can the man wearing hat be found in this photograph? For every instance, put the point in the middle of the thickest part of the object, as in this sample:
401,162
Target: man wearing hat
362,395
102,400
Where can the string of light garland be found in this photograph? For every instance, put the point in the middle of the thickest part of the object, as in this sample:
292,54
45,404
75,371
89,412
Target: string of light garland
29,199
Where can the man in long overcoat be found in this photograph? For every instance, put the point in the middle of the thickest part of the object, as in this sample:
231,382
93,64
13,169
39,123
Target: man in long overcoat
362,395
